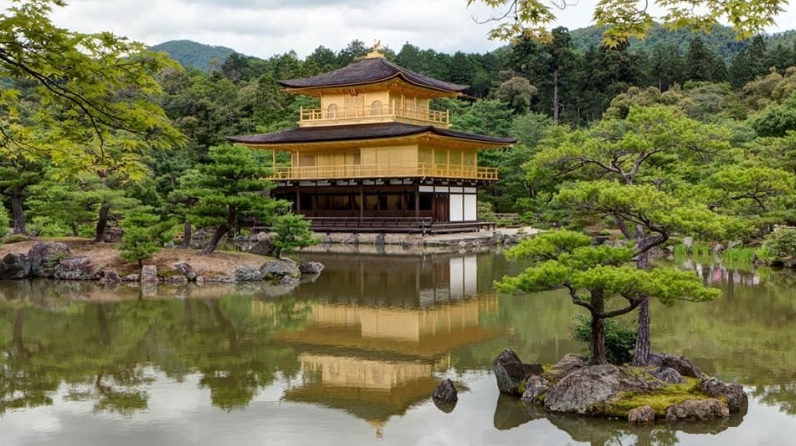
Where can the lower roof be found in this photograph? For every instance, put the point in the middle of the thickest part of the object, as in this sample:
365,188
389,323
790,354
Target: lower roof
361,132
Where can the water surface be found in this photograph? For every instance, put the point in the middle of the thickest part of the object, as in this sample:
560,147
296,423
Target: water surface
353,357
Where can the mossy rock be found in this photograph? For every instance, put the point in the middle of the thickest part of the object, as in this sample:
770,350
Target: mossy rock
659,399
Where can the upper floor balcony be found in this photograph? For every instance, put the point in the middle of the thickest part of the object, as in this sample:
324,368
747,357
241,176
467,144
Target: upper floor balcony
394,170
371,114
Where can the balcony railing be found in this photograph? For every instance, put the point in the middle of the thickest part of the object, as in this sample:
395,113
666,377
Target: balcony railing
374,113
410,170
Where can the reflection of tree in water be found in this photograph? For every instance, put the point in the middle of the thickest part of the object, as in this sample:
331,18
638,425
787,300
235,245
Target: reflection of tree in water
115,390
745,336
782,395
21,385
511,412
107,352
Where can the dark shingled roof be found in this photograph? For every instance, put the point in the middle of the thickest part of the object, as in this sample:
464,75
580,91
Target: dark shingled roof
368,71
359,131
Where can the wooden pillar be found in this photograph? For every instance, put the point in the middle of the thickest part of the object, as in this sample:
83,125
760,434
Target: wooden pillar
361,202
298,164
315,203
417,201
298,200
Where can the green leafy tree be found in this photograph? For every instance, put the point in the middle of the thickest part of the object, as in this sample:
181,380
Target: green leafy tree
230,188
702,63
85,204
517,93
604,73
291,232
749,63
23,156
96,111
550,67
623,20
595,276
58,209
776,119
144,235
781,242
763,196
513,190
666,67
639,174
94,87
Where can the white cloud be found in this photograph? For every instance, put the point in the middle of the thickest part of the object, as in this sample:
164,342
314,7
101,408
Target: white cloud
267,27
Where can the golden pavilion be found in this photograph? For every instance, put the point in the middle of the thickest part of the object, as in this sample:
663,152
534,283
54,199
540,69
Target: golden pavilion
375,156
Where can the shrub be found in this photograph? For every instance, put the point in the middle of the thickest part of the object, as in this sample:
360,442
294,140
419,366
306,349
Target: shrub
290,233
619,340
781,242
15,238
144,235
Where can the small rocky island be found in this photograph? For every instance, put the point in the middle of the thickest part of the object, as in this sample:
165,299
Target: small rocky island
671,388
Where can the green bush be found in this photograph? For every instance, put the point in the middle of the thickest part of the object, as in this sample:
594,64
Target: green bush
144,235
486,211
619,340
781,242
290,233
15,238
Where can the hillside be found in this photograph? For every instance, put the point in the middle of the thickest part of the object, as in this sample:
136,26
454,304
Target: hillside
194,54
721,41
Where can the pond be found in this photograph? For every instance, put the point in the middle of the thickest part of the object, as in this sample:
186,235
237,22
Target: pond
353,357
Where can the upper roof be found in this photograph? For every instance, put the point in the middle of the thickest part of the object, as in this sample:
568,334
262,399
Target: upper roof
368,71
359,132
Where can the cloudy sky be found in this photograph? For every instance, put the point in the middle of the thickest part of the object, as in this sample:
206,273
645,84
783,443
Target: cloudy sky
266,27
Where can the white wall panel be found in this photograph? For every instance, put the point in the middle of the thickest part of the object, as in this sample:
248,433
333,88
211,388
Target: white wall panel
470,213
457,207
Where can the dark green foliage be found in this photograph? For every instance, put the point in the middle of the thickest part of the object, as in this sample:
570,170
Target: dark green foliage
619,339
144,235
666,67
776,119
749,63
194,54
291,232
703,64
74,206
229,189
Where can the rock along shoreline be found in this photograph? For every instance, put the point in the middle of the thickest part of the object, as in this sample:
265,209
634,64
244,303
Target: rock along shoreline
56,260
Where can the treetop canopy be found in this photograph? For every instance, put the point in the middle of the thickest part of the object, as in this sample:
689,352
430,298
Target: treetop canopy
624,19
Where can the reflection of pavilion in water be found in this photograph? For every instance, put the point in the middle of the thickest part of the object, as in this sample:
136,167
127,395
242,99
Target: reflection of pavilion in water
718,274
380,327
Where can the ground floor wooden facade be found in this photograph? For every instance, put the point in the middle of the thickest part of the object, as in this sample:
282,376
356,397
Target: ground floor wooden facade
382,205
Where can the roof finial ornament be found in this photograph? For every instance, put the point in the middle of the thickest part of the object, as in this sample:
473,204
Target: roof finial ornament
375,51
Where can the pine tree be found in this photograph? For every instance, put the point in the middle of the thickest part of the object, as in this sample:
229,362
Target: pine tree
144,235
229,189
